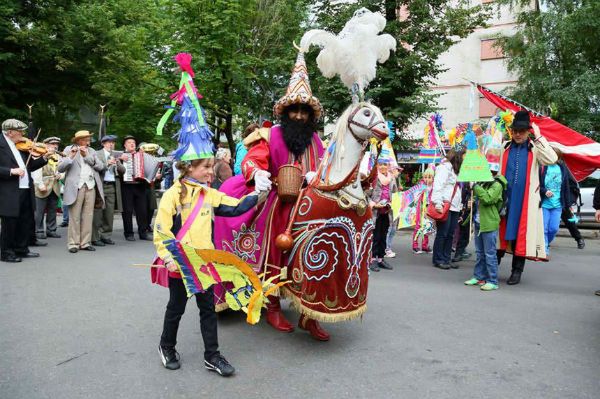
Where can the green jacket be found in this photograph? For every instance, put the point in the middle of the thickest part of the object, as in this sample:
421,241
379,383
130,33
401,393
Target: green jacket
490,201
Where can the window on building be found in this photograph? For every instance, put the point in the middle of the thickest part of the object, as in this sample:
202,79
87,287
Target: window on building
489,50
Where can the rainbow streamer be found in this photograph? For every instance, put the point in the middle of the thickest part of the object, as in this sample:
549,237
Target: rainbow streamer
202,268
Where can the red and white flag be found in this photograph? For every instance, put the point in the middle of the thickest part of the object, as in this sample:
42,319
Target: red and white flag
581,154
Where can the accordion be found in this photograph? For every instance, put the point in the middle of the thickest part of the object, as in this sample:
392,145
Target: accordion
140,166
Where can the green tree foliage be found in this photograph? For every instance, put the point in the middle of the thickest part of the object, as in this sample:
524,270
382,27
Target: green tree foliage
72,55
244,50
64,56
428,28
555,53
69,56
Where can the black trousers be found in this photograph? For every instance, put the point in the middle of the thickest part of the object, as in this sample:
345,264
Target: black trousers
464,237
175,309
518,262
382,225
16,231
134,198
573,230
442,245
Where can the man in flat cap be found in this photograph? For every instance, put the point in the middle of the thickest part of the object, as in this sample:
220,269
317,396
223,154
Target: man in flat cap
103,218
47,192
17,200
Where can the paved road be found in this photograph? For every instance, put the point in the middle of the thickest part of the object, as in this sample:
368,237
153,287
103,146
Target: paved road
87,325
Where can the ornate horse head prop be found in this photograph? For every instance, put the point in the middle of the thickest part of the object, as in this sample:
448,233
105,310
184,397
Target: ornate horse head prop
354,129
338,175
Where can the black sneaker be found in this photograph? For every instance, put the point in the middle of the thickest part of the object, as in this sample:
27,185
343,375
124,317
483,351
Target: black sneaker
219,364
373,267
384,265
580,243
169,358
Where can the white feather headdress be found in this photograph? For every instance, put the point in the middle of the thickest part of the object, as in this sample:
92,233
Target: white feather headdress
352,54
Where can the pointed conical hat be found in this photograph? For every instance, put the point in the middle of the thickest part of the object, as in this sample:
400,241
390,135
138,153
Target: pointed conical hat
299,91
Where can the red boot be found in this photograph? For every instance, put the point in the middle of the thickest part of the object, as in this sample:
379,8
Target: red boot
313,327
274,316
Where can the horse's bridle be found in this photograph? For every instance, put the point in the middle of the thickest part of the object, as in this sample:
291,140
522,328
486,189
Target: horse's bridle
369,126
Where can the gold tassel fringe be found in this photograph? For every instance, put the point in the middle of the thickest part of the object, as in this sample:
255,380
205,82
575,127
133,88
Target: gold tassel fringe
319,316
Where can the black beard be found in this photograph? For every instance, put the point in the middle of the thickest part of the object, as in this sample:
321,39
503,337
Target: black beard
297,135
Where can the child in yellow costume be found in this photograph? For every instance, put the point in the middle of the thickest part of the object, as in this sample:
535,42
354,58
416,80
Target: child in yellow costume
185,213
176,206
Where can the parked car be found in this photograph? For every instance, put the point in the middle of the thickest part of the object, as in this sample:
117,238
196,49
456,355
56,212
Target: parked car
587,187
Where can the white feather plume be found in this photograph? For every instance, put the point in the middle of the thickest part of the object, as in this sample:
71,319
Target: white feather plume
352,54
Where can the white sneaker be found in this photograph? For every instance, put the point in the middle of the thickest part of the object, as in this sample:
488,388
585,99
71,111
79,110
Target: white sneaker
390,253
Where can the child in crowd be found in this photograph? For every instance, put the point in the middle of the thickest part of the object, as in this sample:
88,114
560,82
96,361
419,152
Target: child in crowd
555,192
489,200
191,200
385,186
389,253
462,234
424,226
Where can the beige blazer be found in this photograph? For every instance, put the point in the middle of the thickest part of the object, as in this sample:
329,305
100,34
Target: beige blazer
72,168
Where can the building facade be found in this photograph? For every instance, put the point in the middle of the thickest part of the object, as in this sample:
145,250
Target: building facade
475,58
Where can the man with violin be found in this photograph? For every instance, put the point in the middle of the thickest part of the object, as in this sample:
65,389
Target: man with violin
47,192
18,158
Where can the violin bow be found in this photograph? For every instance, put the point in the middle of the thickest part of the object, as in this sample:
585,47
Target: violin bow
34,141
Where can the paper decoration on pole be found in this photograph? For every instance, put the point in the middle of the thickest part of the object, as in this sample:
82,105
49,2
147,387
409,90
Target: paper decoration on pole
404,205
474,167
194,136
496,133
202,268
432,149
391,130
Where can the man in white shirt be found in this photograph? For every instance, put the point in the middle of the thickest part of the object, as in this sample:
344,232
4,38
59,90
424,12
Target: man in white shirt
17,200
82,185
103,218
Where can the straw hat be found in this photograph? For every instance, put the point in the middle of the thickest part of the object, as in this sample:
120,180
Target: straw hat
82,134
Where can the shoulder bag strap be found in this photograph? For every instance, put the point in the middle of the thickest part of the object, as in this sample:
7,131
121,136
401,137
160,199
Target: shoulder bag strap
190,219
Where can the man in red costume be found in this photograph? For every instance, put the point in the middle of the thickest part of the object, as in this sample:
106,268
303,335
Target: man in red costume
293,141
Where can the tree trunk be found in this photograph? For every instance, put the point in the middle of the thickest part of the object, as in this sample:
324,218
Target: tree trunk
391,6
228,118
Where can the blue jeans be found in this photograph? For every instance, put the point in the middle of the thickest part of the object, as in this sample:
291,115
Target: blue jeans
486,266
442,246
65,210
390,235
551,224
